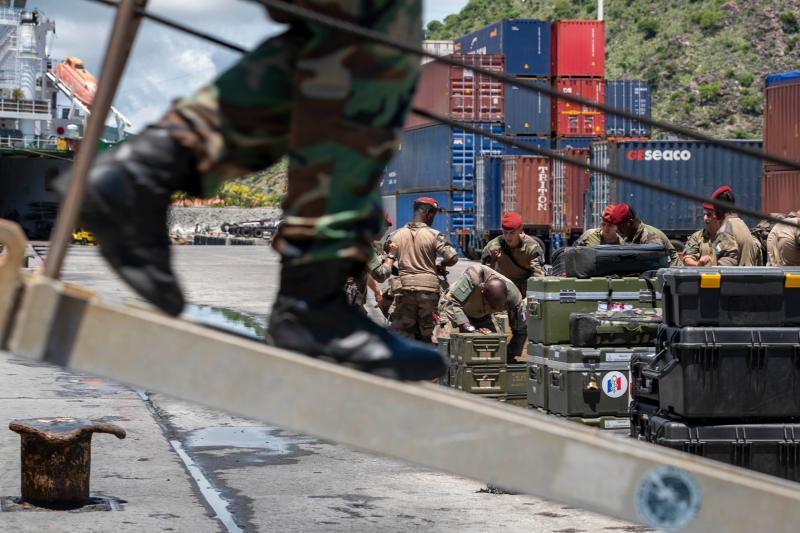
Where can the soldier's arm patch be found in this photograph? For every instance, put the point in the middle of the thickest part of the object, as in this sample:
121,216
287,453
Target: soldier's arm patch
462,290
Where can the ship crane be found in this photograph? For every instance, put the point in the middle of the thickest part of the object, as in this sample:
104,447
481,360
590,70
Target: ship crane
79,86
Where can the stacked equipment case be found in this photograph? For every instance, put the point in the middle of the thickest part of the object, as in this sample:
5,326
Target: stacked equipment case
479,365
725,380
567,377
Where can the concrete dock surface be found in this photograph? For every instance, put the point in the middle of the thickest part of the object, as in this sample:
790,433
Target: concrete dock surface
185,467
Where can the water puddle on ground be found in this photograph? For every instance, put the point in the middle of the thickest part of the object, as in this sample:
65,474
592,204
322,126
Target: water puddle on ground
252,437
227,320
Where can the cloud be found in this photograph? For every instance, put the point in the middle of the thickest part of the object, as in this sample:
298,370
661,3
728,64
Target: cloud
165,64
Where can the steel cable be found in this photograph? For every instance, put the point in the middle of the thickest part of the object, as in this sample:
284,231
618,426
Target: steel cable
410,48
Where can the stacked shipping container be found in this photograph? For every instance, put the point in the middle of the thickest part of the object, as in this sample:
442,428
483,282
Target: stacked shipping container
686,165
632,96
781,186
578,69
434,158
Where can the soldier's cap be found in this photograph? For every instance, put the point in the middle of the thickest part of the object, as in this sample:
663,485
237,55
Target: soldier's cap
429,201
607,213
719,192
619,214
387,218
511,220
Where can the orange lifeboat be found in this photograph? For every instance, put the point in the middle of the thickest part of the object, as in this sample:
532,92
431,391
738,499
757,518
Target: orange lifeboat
74,75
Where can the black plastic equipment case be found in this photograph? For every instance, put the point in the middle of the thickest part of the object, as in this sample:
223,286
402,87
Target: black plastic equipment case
737,373
731,296
769,448
640,413
609,260
643,387
630,327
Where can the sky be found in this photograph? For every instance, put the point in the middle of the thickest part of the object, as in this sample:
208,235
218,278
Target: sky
165,64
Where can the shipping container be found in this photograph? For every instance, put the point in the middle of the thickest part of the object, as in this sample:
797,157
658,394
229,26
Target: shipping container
534,142
632,96
780,191
782,117
439,157
574,120
488,193
570,184
527,189
562,143
524,42
459,93
390,207
694,166
527,112
578,48
439,48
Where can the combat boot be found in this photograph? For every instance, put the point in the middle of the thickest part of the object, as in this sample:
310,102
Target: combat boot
311,316
127,197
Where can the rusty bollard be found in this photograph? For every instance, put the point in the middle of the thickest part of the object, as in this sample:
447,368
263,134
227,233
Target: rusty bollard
56,459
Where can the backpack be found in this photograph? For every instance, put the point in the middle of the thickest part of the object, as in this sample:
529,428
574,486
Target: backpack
761,231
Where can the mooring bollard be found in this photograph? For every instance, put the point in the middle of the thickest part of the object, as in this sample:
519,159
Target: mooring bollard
56,459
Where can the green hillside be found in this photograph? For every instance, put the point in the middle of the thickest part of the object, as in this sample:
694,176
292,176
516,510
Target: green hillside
705,59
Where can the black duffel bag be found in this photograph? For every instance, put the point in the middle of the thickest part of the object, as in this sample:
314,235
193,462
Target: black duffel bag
609,260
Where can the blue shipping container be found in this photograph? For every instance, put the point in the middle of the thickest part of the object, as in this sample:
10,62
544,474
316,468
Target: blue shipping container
536,142
391,173
524,42
632,96
560,143
527,112
781,78
438,157
693,166
488,193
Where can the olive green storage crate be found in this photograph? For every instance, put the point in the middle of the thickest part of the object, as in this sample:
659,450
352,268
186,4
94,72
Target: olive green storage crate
552,299
517,379
536,390
482,379
473,349
589,382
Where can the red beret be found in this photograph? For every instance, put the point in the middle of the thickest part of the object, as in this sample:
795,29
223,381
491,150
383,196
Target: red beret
387,218
426,200
511,220
607,213
618,214
719,192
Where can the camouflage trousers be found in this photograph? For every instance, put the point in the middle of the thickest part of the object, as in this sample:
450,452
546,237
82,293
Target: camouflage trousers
412,314
332,102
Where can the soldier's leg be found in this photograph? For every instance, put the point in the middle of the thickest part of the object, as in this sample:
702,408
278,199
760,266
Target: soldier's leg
350,98
240,123
403,318
426,307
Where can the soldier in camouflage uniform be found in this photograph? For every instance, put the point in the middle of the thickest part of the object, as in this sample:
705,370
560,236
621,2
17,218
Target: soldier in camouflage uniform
605,234
334,103
637,232
513,254
469,304
379,268
418,246
733,245
699,249
783,244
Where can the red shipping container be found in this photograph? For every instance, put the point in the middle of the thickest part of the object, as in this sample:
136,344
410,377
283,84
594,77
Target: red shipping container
527,189
475,96
570,182
578,48
574,120
459,93
782,122
780,191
